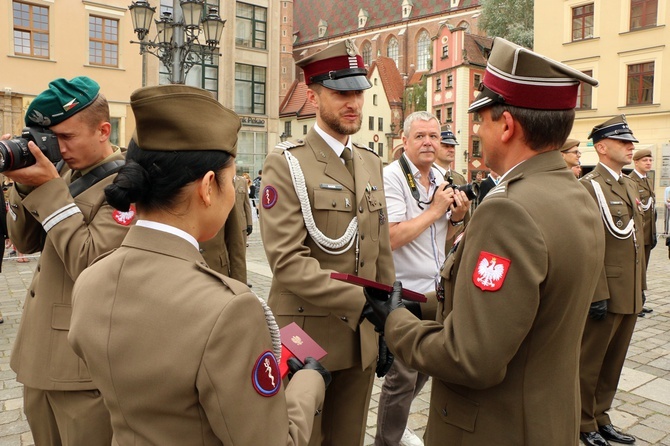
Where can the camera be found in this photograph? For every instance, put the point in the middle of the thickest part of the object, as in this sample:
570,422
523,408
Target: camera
14,153
471,189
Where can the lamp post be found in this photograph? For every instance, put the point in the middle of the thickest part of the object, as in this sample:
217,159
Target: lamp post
177,42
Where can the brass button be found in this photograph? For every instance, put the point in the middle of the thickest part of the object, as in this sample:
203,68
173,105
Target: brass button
334,203
360,209
32,293
300,309
344,318
362,236
362,264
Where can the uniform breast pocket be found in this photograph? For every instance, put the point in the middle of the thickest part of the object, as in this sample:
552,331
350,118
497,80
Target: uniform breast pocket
333,210
620,215
377,210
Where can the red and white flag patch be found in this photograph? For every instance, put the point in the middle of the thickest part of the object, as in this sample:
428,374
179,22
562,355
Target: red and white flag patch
124,218
265,376
490,271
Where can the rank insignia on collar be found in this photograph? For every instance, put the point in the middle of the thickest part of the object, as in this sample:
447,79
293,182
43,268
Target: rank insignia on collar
490,272
265,377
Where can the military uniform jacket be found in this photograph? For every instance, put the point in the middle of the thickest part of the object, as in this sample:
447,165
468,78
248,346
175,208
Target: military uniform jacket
71,233
173,347
302,291
504,353
622,279
226,252
243,203
647,199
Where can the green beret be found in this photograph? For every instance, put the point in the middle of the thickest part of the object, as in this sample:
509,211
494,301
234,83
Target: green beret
62,100
641,154
179,117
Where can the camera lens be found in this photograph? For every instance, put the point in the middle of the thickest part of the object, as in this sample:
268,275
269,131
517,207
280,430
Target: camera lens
14,154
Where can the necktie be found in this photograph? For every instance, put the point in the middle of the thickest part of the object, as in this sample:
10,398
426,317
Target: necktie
348,160
621,180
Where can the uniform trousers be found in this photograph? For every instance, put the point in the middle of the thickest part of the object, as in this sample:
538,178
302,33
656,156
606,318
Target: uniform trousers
67,418
604,347
345,409
666,223
401,385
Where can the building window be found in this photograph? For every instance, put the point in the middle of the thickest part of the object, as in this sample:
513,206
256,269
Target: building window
585,94
450,114
374,99
477,81
380,124
438,115
251,26
582,22
643,13
438,83
445,51
366,53
287,129
251,151
640,83
204,74
476,150
392,50
114,136
423,52
381,149
249,89
371,145
103,43
304,129
450,80
371,123
31,30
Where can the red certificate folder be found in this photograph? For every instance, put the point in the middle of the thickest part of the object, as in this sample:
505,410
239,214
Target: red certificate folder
295,342
406,294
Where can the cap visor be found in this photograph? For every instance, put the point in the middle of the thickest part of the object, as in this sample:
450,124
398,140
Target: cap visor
350,83
623,137
485,99
451,142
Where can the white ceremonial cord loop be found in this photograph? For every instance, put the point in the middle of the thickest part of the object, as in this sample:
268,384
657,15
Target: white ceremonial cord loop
274,328
328,245
621,234
645,207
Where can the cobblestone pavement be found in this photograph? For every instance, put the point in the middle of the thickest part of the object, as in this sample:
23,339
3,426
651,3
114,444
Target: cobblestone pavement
641,407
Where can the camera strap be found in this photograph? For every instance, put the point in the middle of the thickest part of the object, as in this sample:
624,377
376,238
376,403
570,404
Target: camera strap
411,183
101,172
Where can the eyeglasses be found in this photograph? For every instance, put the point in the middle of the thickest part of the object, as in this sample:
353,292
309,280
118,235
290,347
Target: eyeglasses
574,152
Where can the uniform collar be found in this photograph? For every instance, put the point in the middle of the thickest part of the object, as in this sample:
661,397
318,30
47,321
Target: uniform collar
332,142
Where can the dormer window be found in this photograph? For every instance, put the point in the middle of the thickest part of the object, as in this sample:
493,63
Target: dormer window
323,27
362,18
407,6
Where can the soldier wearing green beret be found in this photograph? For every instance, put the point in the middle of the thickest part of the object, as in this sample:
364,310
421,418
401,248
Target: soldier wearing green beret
184,355
61,211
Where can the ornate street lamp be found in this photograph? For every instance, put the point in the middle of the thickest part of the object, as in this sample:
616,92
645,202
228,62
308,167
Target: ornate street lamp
177,42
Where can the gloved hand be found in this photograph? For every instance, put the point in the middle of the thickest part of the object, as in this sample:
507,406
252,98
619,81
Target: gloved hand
250,229
414,307
294,366
598,310
369,314
382,303
384,358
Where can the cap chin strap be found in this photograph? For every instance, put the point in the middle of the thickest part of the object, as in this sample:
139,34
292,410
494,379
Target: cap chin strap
326,244
621,234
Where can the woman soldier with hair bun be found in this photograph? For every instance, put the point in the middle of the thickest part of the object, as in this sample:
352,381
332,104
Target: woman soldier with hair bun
181,353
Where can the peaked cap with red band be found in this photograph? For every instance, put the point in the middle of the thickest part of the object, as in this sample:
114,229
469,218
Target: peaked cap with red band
338,67
522,78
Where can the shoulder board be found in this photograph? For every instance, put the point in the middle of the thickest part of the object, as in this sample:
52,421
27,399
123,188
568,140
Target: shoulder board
589,176
361,146
235,286
290,144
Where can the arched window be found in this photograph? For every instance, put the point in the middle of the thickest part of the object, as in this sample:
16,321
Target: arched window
465,25
423,51
366,53
392,50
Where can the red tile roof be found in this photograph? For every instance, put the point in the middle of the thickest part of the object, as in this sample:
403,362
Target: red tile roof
391,79
295,103
342,15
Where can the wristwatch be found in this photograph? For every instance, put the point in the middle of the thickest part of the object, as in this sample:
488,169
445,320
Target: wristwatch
456,223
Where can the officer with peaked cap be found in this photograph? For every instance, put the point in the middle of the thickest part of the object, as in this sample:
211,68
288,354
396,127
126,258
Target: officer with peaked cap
181,353
504,350
643,163
618,297
323,210
64,215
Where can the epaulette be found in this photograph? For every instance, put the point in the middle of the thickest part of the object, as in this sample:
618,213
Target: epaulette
361,146
589,176
284,145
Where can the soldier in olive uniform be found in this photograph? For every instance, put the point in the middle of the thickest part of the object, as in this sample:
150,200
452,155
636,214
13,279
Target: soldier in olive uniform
645,188
181,354
243,206
318,217
61,402
226,252
504,351
618,297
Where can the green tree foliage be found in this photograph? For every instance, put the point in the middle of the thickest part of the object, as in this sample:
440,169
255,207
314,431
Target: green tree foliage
509,19
416,97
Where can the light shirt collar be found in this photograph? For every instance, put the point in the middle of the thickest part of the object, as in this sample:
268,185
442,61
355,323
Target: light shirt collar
332,142
169,229
417,174
639,174
614,174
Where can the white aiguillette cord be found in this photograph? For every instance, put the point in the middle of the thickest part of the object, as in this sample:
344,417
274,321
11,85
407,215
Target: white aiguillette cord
621,234
328,245
274,328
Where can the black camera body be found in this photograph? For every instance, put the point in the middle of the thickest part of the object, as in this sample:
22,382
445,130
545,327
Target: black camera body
471,189
14,153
